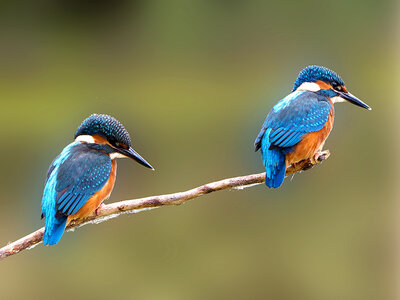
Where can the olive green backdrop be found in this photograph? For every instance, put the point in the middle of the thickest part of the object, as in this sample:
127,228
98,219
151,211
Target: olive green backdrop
192,81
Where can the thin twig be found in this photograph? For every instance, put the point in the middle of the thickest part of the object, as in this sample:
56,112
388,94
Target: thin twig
112,210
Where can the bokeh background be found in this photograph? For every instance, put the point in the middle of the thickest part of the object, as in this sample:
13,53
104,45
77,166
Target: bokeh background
192,81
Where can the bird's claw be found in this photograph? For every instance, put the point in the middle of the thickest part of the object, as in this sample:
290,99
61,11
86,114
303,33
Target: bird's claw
97,211
316,159
319,157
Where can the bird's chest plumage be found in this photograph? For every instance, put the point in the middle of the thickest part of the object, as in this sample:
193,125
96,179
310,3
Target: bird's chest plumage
311,142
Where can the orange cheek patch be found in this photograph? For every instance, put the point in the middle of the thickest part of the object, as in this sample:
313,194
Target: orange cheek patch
324,85
98,139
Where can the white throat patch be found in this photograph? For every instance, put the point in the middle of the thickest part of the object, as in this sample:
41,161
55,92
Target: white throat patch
117,155
309,86
337,99
85,139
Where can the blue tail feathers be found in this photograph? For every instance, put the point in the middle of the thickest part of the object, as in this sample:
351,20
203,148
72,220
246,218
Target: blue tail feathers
275,171
274,162
54,230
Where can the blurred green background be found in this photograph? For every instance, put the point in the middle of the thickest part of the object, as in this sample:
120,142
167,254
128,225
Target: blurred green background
192,81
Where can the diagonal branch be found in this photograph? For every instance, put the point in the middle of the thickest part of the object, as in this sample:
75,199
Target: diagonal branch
112,210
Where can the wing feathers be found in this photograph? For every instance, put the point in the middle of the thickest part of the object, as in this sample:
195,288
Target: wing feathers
82,174
302,113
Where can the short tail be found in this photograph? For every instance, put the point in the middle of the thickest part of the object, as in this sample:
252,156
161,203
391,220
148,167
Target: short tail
54,229
276,170
274,162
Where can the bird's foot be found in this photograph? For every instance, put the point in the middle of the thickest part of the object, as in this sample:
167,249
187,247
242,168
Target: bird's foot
97,211
319,157
316,159
308,163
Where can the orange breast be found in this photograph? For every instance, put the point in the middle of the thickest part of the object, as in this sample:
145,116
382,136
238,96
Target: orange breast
311,143
94,202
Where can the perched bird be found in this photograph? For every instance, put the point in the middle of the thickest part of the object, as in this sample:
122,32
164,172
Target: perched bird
297,126
83,175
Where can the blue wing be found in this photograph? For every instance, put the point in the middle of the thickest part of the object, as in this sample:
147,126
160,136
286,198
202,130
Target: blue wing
79,177
299,113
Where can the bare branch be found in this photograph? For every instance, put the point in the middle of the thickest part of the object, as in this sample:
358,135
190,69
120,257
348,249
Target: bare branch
112,210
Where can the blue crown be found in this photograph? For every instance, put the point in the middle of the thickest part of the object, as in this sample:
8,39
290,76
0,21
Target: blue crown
105,126
315,73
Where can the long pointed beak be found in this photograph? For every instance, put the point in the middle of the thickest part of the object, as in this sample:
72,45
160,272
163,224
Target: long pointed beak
353,99
135,156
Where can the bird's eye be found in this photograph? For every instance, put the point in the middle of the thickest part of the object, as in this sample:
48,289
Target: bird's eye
120,145
339,88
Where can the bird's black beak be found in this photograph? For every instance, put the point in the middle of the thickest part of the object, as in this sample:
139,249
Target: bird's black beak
135,156
353,99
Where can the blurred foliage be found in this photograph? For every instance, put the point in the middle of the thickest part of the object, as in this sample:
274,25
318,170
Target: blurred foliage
192,81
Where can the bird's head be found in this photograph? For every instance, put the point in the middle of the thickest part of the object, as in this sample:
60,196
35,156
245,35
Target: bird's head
106,131
326,82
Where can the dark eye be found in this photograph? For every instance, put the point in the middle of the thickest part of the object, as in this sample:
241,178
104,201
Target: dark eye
339,88
120,145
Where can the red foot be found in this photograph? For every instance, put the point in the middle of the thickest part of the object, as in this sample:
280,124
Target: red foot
314,158
98,209
319,157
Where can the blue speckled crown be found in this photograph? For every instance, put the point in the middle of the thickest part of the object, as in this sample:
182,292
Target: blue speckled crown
314,73
105,126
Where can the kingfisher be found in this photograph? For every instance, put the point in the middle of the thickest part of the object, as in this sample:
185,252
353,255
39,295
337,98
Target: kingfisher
82,176
298,125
